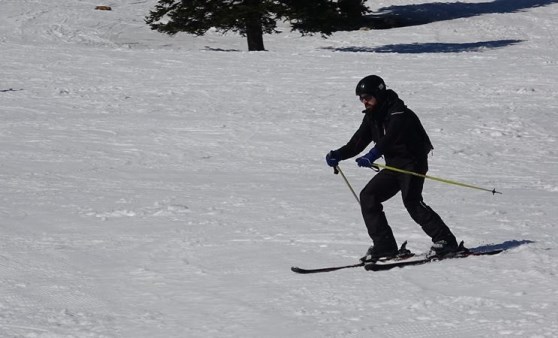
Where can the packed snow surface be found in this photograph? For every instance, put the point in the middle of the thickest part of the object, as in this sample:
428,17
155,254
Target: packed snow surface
156,186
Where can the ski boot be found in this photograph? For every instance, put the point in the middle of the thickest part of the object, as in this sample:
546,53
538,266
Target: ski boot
447,249
374,254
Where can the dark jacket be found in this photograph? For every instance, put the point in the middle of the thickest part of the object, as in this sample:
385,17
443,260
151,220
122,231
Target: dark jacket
395,129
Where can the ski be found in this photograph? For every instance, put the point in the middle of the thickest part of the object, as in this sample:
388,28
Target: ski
403,254
403,259
463,254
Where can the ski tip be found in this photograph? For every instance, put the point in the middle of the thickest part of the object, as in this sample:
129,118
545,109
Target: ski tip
296,269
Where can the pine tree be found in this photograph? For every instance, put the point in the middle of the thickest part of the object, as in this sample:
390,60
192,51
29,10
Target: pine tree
254,18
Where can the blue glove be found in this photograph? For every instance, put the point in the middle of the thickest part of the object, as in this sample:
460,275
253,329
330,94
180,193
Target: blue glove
333,158
368,159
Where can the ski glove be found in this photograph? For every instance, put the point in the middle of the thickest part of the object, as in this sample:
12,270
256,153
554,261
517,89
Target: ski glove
333,158
368,159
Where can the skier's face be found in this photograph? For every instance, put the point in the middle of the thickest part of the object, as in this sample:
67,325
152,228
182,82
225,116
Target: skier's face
368,100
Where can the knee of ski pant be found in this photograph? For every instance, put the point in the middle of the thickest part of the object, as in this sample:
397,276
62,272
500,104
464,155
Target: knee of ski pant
369,202
416,207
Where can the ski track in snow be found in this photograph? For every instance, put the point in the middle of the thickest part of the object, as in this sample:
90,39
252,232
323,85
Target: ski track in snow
163,187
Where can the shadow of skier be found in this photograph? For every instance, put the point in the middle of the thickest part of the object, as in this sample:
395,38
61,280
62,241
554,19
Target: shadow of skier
507,245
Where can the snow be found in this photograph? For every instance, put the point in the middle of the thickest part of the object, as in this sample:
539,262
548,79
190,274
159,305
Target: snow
156,186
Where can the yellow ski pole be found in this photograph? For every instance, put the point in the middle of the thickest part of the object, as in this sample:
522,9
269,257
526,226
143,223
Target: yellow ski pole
443,180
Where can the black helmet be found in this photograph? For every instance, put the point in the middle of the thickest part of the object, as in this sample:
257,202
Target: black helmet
371,85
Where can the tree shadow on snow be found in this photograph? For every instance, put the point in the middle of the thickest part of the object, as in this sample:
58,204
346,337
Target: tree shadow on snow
420,14
416,48
507,245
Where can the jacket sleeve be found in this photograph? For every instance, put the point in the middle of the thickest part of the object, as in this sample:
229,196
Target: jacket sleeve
360,140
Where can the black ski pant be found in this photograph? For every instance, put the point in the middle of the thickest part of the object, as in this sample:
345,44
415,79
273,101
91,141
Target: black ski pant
387,184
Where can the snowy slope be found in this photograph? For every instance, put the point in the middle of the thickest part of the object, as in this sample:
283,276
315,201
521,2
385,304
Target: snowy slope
163,187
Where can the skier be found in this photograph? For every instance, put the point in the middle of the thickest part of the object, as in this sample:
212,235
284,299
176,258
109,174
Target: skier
400,137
